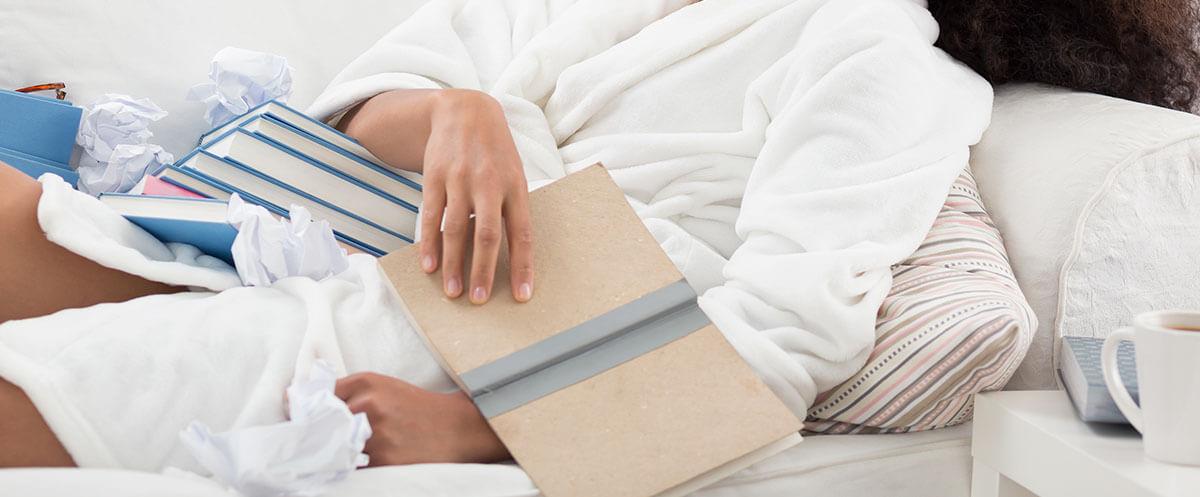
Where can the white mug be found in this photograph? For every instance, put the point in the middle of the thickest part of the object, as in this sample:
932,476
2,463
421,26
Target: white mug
1167,347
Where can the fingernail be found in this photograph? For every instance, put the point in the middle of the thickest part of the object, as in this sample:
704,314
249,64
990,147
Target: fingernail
453,287
525,292
478,295
427,263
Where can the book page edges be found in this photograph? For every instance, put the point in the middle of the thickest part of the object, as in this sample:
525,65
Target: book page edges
728,469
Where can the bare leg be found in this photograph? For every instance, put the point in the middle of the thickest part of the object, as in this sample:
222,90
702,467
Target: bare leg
38,277
25,439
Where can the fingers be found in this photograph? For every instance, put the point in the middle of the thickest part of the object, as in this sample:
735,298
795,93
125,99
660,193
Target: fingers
454,242
520,244
488,229
433,204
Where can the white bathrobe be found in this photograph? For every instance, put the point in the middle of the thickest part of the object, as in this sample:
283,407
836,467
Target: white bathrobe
784,152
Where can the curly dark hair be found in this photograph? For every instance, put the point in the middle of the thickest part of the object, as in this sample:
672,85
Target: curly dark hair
1142,50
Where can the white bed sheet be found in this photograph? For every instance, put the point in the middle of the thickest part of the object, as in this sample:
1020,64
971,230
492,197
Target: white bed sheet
927,464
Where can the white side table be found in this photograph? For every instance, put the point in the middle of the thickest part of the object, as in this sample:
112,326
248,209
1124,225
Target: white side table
1032,444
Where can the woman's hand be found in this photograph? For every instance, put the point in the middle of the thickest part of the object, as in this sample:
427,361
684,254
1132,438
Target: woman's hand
410,425
459,141
471,166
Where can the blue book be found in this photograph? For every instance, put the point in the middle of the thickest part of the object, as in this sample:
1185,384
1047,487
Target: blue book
188,180
381,180
310,126
204,172
36,166
296,172
38,126
1083,378
197,222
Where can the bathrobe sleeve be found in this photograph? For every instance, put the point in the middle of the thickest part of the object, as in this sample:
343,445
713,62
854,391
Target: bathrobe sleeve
443,44
512,49
870,125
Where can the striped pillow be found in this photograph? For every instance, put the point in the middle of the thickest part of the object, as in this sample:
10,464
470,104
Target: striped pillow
954,324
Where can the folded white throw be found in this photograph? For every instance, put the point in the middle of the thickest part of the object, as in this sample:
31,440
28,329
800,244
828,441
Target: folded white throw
784,152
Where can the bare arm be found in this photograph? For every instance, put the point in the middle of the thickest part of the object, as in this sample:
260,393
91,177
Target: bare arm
459,140
394,126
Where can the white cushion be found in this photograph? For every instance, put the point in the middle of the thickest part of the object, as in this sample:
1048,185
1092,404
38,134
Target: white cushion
160,49
1099,203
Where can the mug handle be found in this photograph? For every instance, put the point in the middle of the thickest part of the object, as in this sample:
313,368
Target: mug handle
1112,377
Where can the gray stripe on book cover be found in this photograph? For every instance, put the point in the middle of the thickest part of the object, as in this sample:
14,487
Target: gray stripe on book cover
586,350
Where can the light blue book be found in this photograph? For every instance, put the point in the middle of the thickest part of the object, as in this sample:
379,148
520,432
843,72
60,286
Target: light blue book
204,172
1083,378
382,180
35,166
197,222
298,173
191,181
315,129
38,126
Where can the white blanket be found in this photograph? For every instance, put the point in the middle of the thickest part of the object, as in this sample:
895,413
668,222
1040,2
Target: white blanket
784,152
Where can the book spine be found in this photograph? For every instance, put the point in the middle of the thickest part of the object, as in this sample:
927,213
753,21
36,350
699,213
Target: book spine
586,350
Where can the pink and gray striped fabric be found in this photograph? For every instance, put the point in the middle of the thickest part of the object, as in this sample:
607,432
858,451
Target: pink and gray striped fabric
954,324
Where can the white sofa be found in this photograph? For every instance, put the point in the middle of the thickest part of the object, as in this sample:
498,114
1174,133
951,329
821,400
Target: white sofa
1098,199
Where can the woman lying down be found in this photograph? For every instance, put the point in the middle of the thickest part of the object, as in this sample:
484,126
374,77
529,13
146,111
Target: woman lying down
785,153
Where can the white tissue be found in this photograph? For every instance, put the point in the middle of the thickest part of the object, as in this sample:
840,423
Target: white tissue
125,167
242,79
320,444
268,249
114,135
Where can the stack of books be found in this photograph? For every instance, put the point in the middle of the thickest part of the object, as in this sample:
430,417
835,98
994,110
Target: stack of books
275,156
37,134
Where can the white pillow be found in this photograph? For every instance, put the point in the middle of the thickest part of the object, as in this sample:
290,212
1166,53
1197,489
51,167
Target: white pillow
160,49
1098,200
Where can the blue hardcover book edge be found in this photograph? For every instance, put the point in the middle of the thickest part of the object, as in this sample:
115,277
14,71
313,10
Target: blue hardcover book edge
36,166
343,152
212,238
281,104
270,206
1083,377
321,165
187,173
283,184
38,126
314,198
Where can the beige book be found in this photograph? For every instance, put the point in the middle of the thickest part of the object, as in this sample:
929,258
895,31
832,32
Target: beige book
610,382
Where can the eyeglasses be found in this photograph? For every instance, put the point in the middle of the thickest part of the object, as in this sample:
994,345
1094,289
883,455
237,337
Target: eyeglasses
58,88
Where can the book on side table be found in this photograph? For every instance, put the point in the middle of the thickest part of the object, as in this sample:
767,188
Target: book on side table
611,381
1083,378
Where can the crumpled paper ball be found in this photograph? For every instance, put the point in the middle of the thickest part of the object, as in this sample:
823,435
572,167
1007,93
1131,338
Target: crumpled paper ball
114,135
268,249
321,443
241,80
